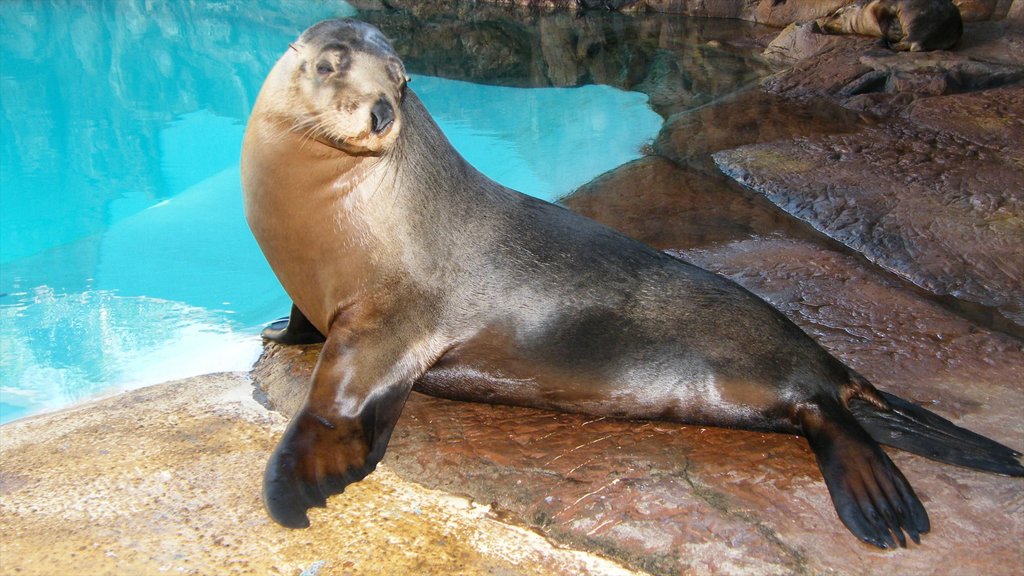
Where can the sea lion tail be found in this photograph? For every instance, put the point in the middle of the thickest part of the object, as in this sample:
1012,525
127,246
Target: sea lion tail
910,427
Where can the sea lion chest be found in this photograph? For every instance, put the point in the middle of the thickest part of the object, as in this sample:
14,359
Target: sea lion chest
307,209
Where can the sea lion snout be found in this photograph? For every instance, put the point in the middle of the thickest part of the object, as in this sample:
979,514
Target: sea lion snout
382,115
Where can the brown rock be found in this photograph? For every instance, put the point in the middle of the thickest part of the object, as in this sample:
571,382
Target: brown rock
799,41
959,71
760,11
864,76
993,118
747,117
167,479
704,8
790,11
680,62
944,210
1016,12
667,206
824,74
976,10
998,42
901,342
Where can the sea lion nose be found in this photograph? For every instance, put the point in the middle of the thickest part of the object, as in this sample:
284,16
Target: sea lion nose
381,116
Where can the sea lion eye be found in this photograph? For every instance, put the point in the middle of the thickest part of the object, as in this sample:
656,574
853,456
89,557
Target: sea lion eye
334,59
324,68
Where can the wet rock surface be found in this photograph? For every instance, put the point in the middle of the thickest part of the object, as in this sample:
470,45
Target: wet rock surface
667,205
167,479
938,200
680,62
861,75
771,12
745,117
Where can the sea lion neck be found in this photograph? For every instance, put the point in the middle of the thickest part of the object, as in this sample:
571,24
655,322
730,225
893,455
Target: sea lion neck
423,157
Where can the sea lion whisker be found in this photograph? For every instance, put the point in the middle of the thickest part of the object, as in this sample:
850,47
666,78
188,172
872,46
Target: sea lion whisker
315,131
302,127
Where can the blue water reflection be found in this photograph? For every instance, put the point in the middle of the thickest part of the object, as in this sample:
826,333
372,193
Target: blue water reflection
124,255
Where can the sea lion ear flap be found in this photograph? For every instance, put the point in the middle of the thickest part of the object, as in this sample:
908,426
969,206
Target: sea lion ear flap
396,71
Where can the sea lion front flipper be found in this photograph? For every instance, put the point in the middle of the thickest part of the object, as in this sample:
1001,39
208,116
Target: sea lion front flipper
342,430
295,329
871,496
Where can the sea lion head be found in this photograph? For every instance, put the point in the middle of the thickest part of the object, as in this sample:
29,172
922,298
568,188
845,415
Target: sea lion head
346,86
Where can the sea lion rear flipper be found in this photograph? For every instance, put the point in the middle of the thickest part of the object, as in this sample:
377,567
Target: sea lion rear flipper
295,329
912,428
870,494
341,432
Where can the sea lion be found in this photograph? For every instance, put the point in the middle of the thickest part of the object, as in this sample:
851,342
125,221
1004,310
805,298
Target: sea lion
292,329
422,272
909,25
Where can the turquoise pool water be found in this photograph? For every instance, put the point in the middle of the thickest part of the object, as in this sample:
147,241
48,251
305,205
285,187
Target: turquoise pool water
124,256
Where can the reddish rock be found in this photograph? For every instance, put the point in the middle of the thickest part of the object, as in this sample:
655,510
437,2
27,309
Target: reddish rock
747,117
785,13
826,72
668,206
761,11
861,75
166,480
902,343
799,41
993,119
933,206
680,62
1016,12
767,12
1000,42
975,10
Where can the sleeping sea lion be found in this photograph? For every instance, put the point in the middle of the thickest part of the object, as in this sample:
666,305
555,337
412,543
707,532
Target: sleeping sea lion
908,25
422,272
